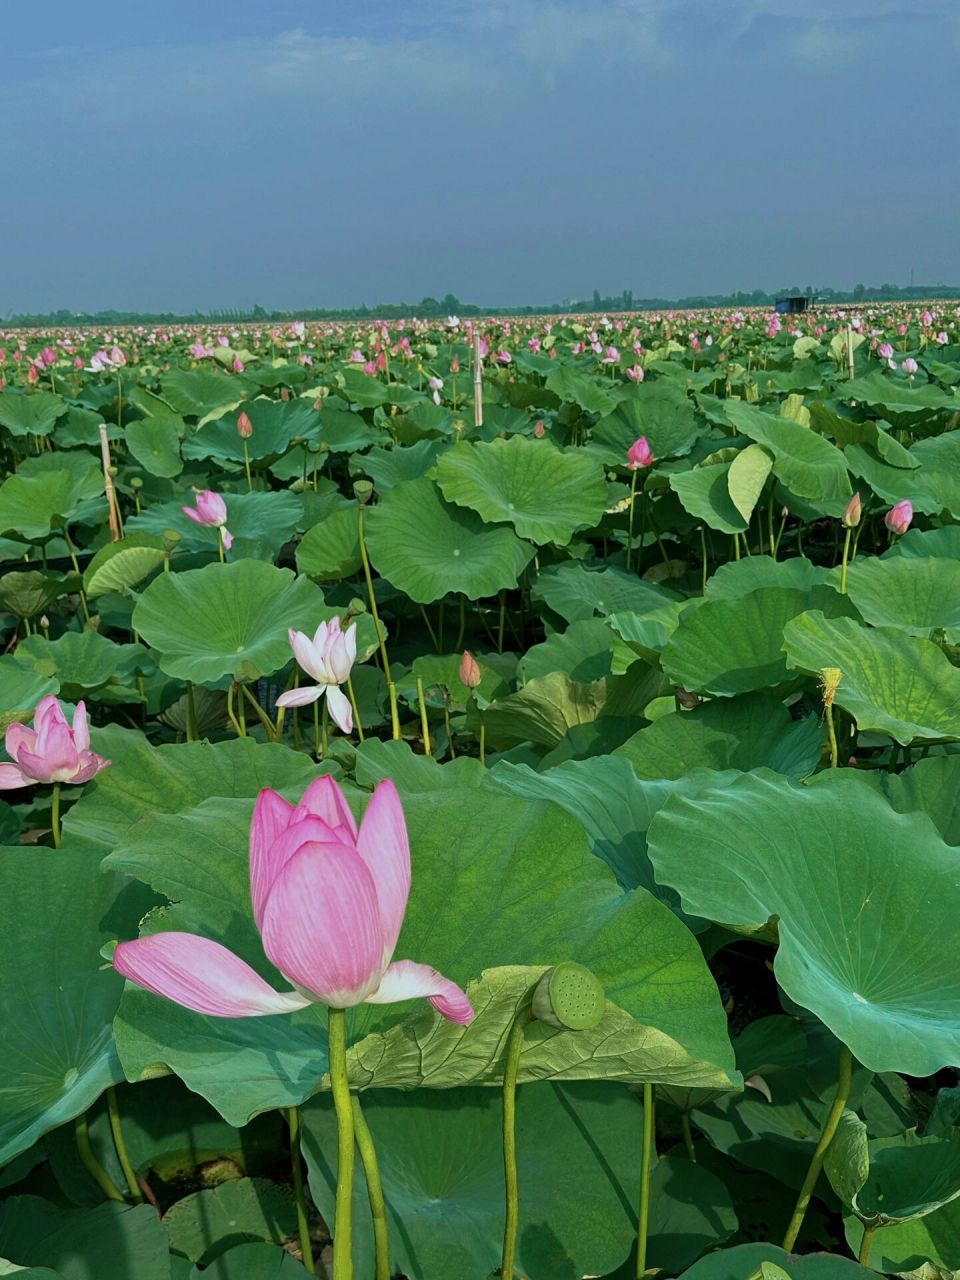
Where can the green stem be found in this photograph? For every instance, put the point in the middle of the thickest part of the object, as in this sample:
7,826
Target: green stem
373,601
394,711
261,714
358,725
246,465
231,715
503,618
843,566
378,1208
826,1137
633,495
703,552
483,740
55,815
303,1222
424,722
463,624
511,1068
433,635
866,1245
446,722
91,1163
831,730
342,1225
649,1148
126,1164
220,544
688,1137
192,733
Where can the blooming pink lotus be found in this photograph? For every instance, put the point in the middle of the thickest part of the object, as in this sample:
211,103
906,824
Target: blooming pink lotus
51,751
211,510
639,454
329,658
899,518
328,900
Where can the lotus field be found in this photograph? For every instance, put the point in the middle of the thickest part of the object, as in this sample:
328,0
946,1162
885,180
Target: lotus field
481,798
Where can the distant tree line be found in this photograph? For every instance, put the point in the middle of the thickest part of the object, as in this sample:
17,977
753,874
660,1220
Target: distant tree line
430,308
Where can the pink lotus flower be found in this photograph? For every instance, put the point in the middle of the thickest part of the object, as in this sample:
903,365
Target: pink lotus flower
211,510
238,365
885,351
51,751
899,518
910,366
470,673
199,351
611,355
639,454
504,356
635,373
328,900
329,658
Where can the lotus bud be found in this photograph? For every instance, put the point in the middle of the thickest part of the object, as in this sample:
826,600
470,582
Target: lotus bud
899,518
539,430
569,997
244,426
363,491
830,678
639,454
852,512
470,673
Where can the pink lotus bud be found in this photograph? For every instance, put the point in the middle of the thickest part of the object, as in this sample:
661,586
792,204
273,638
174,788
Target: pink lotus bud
899,518
639,454
539,429
455,364
470,673
284,394
852,512
244,426
238,365
635,373
910,366
885,351
32,376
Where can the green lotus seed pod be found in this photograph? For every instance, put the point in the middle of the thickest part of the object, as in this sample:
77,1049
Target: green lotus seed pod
570,997
363,490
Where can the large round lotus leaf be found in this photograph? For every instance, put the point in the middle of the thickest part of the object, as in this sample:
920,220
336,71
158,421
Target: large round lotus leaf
85,1244
658,410
252,1262
203,1225
737,578
429,548
198,392
892,683
892,1180
32,506
387,467
117,566
28,592
58,1001
916,596
330,550
462,842
809,465
545,494
752,731
725,647
32,413
21,688
81,660
225,619
746,1259
900,403
155,443
575,593
704,492
584,652
260,523
276,424
747,475
868,903
931,786
578,386
442,1173
918,543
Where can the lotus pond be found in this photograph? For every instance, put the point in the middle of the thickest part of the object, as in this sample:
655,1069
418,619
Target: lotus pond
482,798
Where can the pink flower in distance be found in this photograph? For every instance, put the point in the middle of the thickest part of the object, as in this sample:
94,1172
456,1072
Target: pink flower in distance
329,658
639,454
910,366
51,751
635,373
211,510
328,900
899,518
885,351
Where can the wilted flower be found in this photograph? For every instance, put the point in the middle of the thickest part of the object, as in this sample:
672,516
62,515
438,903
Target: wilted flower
51,751
898,519
328,900
329,658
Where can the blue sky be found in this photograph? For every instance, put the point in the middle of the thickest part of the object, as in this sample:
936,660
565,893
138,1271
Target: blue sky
316,153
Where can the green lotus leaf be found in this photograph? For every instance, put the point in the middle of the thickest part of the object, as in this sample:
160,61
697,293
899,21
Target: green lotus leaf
576,593
725,647
583,652
939,458
155,443
931,786
28,592
658,410
118,566
251,1262
810,466
767,847
892,683
21,688
199,392
204,1225
428,548
330,550
913,595
33,506
737,578
260,523
225,619
576,1196
747,475
582,388
545,494
901,404
748,1259
704,492
276,424
81,660
30,413
388,467
84,1244
462,840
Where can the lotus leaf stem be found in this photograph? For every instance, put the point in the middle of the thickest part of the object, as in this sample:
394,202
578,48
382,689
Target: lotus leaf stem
296,1167
55,815
119,1142
424,722
647,1157
511,1068
342,1223
356,710
866,1245
378,1208
826,1137
91,1163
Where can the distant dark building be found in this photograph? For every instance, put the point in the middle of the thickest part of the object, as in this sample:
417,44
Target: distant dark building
796,302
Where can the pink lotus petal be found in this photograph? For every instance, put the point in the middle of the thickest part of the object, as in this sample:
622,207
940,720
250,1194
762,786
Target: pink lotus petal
19,735
405,980
271,817
81,727
302,697
272,859
341,711
324,799
89,766
308,655
384,847
193,515
227,537
11,778
201,975
321,925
